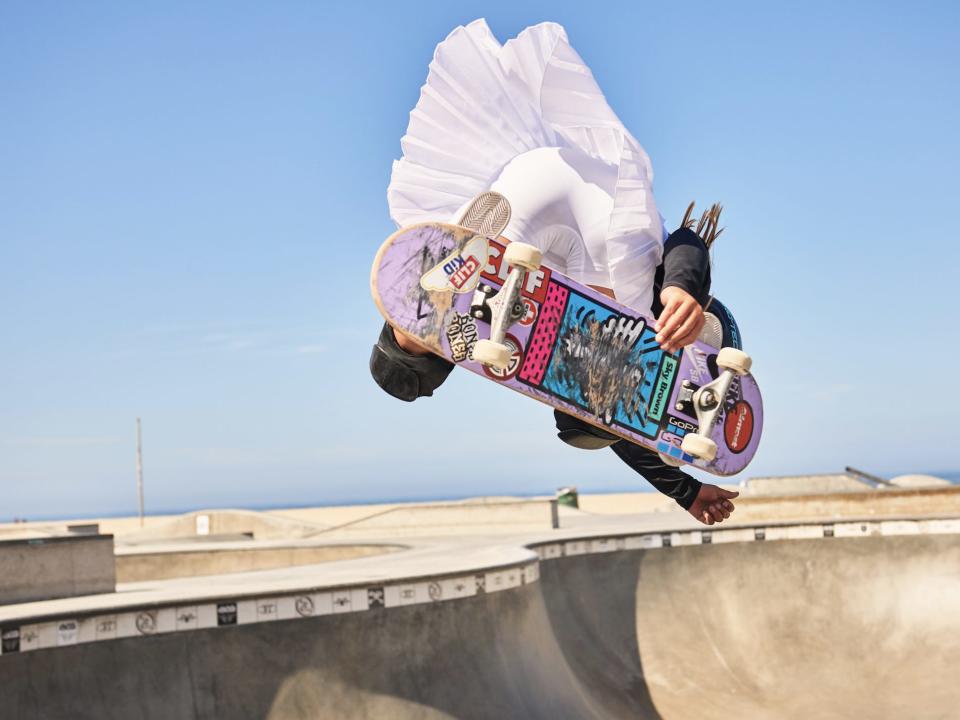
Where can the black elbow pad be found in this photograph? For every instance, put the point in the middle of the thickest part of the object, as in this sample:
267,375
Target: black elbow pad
402,375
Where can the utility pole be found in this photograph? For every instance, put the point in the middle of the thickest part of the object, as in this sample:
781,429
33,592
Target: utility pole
140,472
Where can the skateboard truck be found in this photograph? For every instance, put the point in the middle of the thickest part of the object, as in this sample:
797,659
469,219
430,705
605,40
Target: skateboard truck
502,309
487,303
707,402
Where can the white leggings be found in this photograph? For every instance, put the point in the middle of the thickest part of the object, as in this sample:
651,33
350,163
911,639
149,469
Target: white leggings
561,200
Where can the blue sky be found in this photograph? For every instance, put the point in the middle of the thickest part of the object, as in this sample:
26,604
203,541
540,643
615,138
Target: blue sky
191,196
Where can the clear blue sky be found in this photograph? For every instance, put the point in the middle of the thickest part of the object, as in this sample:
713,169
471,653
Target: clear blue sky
191,195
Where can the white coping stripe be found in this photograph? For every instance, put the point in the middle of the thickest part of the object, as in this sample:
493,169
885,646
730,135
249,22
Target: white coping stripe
153,621
63,632
604,545
643,542
549,551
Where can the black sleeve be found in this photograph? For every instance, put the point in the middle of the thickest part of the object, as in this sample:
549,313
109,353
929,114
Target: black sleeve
671,481
686,264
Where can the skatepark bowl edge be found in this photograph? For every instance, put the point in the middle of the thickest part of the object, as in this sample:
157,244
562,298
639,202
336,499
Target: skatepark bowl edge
805,619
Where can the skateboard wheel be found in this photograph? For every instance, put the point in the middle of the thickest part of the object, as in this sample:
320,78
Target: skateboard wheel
699,446
522,255
671,461
736,360
495,355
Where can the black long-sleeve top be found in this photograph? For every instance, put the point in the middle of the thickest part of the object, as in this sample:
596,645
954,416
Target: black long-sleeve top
686,264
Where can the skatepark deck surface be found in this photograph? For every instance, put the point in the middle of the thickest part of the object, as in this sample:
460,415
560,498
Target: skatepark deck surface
654,617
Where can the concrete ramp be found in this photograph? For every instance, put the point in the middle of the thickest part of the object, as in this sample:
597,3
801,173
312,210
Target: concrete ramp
707,627
832,628
829,628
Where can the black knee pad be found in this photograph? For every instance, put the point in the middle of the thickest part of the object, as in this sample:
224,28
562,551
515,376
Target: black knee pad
402,375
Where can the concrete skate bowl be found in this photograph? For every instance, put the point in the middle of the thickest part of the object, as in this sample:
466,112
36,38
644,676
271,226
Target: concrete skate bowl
862,626
822,628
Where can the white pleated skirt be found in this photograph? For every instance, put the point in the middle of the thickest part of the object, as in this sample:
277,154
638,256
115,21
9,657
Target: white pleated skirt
528,120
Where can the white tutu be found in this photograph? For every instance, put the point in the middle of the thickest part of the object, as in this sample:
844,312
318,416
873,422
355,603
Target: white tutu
528,120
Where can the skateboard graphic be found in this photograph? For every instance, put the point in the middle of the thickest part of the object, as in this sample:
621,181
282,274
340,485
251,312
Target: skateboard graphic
493,308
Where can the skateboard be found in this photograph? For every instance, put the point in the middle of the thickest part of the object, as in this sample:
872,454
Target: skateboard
493,308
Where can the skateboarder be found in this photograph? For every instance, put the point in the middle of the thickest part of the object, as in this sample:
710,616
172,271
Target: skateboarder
527,120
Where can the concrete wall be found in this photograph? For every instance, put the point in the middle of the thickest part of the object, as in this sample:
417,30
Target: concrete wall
448,518
201,523
804,485
889,503
141,565
47,568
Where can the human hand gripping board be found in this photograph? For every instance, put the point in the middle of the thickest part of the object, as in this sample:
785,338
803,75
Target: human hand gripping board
493,308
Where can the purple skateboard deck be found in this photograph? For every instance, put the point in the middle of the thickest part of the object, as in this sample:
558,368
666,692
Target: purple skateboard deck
574,348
